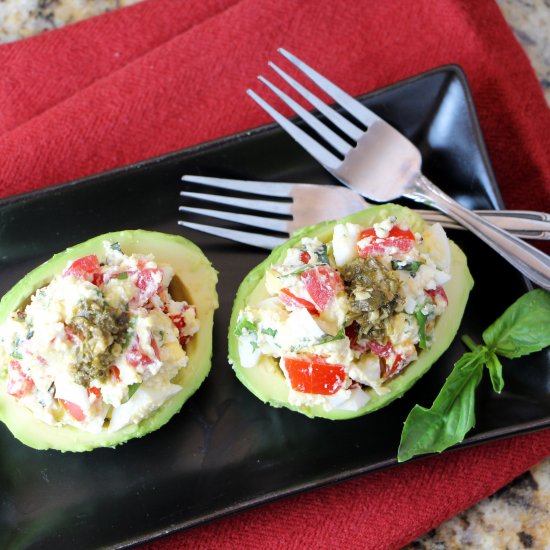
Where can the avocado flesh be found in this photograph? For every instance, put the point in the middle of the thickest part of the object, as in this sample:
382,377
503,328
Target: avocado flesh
267,382
195,281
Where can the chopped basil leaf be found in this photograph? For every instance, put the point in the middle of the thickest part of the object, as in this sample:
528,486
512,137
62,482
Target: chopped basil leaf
340,335
421,320
269,332
116,246
123,275
413,267
322,254
245,325
130,332
298,271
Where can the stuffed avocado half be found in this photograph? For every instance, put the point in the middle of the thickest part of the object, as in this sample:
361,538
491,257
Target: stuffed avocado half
105,341
347,315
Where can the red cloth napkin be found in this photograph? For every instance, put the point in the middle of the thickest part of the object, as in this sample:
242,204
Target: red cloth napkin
165,74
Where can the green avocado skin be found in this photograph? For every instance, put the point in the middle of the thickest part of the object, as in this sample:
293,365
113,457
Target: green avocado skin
267,382
199,278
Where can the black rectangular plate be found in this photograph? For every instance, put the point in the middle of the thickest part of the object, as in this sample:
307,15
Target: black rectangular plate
226,451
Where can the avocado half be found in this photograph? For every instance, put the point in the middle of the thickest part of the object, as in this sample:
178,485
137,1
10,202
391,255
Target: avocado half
194,281
266,380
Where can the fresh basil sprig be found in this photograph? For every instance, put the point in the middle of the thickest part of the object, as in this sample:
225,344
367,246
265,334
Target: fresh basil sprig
523,328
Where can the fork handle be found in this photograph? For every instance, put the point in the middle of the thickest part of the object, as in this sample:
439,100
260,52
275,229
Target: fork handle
527,259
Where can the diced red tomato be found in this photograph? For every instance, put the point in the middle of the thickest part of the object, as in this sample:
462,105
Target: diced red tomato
437,292
19,383
402,239
352,332
179,321
73,409
322,284
116,372
84,267
382,350
155,347
292,301
312,374
148,282
305,256
98,279
136,357
94,391
390,361
71,336
387,370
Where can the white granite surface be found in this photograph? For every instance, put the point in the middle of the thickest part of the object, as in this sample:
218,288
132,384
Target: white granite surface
517,516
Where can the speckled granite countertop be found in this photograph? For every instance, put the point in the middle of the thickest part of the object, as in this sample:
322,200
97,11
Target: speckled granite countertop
518,515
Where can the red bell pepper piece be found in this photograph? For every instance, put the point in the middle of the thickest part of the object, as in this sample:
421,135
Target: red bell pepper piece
312,374
73,409
438,292
292,301
402,239
322,284
84,267
19,383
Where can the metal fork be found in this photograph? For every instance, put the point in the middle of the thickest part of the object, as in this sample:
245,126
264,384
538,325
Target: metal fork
311,203
384,165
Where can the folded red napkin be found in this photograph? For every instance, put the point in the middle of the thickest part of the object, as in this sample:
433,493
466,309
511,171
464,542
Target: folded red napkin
163,75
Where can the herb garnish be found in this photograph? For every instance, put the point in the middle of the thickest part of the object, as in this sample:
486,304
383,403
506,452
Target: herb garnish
521,330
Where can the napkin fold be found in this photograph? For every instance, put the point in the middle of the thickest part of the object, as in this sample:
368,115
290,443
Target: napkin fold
166,74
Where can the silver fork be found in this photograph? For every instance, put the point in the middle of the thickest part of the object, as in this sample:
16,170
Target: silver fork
383,165
311,203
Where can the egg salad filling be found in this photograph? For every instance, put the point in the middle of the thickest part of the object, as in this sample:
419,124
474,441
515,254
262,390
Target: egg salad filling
98,347
349,314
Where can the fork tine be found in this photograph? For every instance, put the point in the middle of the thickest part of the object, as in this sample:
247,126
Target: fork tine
354,107
315,149
335,117
322,129
252,204
246,219
246,186
253,239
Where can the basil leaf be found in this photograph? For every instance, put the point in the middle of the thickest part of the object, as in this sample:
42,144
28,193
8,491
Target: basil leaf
452,414
495,370
523,328
123,275
116,246
269,332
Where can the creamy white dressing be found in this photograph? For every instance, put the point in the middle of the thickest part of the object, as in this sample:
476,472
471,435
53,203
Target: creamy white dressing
295,327
119,311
